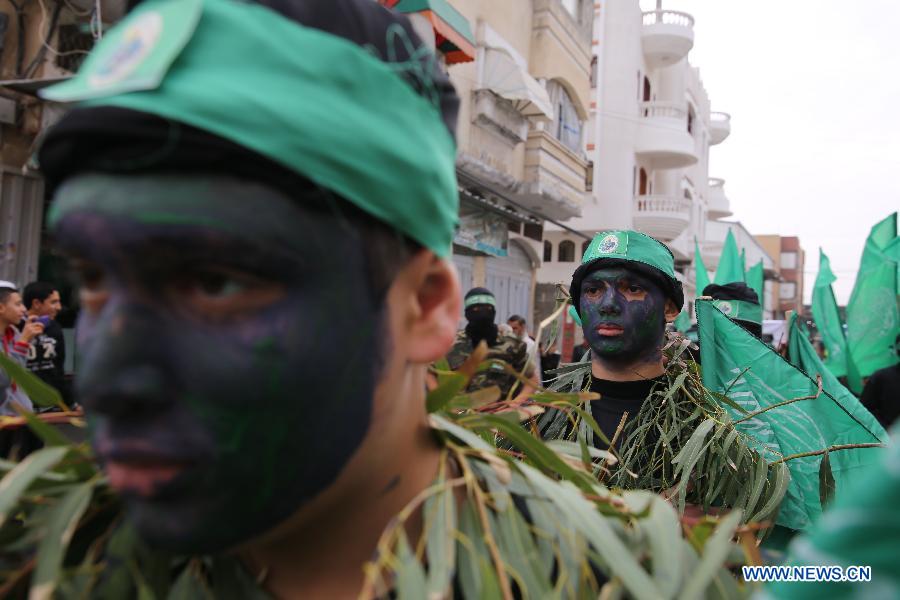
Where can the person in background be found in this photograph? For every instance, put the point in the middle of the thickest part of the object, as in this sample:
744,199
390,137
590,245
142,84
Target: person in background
882,392
740,303
580,350
549,361
47,354
520,331
15,443
480,309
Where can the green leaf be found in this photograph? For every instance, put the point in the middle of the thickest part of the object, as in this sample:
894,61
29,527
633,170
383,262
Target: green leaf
450,386
760,476
189,585
38,392
410,573
826,480
663,535
61,526
779,489
715,552
17,481
440,521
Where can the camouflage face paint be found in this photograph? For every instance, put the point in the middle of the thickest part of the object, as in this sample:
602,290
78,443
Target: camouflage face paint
623,315
215,406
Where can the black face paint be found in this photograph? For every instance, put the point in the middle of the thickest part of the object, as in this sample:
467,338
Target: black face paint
481,324
229,375
623,315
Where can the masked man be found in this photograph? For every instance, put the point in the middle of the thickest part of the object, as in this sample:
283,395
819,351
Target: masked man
481,313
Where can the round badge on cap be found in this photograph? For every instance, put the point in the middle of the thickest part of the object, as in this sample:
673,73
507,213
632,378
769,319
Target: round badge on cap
725,307
609,244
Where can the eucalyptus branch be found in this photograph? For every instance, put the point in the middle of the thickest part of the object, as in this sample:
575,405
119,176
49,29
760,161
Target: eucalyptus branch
828,450
785,403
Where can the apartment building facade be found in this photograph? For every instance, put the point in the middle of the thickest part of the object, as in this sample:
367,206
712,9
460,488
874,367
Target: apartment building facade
790,262
525,95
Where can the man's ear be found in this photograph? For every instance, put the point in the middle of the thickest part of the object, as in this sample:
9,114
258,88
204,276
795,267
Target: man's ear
432,299
672,311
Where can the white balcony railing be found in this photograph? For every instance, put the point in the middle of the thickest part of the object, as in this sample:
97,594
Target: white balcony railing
720,127
659,203
668,17
661,216
665,110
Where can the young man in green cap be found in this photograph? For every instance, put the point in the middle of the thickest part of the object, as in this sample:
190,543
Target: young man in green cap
481,313
624,293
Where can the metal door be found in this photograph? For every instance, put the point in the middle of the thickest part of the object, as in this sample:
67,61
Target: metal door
509,279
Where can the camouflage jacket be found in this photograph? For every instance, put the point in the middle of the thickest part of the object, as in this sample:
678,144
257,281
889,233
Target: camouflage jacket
508,349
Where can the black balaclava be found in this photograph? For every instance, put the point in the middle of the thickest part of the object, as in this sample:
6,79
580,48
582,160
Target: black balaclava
481,317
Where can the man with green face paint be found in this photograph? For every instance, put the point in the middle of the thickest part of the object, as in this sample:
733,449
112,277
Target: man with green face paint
260,199
624,293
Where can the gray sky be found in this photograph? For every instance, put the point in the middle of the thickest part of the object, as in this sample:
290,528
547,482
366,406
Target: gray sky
814,94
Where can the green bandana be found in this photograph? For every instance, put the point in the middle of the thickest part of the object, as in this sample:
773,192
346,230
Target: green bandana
739,310
631,246
480,299
311,101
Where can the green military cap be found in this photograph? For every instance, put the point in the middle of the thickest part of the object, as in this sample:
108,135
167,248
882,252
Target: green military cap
737,301
633,250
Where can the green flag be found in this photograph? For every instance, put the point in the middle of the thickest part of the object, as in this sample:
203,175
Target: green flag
872,316
683,321
729,269
756,377
756,281
701,275
828,318
804,356
744,262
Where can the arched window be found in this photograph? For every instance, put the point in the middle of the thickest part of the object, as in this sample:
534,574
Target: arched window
692,117
548,251
566,251
584,247
567,124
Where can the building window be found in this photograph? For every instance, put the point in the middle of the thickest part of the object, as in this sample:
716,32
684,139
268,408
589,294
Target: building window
566,251
567,124
595,71
692,117
788,260
787,291
548,251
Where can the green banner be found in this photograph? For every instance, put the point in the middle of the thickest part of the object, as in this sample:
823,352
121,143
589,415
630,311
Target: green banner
756,377
803,356
872,315
683,322
702,276
828,318
730,268
756,281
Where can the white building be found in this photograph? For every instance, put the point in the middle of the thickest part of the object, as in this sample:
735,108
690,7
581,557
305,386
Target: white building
650,137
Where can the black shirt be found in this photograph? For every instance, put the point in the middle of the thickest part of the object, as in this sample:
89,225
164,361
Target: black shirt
617,398
47,358
882,395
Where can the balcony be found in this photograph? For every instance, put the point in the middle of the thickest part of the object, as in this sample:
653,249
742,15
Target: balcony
663,137
719,127
668,36
718,205
663,217
555,177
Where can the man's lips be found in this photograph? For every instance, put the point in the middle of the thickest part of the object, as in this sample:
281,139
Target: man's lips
608,329
144,477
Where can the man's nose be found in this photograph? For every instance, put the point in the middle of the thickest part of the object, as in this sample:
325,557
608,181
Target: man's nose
608,302
124,359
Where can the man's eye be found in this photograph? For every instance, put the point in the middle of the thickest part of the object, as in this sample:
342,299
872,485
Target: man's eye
218,285
635,289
